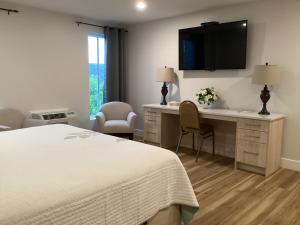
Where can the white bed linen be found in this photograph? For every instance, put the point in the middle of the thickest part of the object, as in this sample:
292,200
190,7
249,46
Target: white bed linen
60,174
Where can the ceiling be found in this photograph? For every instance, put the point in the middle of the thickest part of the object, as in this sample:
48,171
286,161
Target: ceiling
123,11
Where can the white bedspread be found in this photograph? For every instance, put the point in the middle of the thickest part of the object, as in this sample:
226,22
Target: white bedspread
64,175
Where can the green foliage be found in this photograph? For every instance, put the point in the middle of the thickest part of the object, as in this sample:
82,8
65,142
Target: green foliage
96,94
97,74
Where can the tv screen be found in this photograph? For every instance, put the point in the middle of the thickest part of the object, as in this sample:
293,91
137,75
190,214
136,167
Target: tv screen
213,46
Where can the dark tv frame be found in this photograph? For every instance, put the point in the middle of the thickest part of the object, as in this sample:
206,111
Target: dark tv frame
205,26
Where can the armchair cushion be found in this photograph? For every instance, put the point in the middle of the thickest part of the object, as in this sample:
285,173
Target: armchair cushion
116,110
116,127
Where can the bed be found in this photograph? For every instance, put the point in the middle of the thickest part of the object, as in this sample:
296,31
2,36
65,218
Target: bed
61,175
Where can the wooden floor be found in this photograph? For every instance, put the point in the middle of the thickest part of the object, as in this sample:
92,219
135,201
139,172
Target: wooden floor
233,197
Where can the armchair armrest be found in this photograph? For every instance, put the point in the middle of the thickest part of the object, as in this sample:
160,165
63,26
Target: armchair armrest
34,123
101,120
4,128
131,118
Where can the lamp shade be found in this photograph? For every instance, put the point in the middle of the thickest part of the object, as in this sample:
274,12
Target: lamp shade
166,75
267,75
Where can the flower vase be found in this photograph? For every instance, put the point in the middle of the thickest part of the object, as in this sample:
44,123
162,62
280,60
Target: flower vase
205,105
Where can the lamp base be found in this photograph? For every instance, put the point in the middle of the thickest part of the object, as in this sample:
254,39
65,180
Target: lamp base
265,97
164,102
264,112
164,92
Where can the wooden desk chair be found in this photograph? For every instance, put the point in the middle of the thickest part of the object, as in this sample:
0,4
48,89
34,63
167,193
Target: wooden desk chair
190,123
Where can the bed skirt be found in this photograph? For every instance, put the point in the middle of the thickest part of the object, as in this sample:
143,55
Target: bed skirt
168,216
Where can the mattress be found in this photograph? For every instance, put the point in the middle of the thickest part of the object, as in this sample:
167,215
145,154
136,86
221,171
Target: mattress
59,174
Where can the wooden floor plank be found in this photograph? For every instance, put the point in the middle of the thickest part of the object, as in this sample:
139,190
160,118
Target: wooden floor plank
287,210
233,197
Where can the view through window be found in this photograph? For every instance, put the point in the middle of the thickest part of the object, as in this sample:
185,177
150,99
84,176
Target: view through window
97,72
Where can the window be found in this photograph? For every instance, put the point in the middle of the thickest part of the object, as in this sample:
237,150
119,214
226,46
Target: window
97,71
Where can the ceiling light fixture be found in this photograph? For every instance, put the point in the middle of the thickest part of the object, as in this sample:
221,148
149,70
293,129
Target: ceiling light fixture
141,5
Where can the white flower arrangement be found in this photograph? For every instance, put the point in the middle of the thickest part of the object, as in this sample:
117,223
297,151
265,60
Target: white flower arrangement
207,96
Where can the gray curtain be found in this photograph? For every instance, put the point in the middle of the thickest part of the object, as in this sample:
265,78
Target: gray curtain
116,64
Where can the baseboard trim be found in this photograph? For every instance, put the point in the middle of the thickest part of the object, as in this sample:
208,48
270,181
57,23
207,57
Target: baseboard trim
290,164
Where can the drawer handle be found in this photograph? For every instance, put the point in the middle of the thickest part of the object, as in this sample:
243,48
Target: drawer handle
252,136
151,120
252,125
151,112
150,132
251,153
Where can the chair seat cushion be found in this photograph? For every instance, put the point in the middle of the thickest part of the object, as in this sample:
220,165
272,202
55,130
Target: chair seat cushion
116,127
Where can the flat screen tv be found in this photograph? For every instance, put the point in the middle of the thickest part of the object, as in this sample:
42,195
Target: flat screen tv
213,46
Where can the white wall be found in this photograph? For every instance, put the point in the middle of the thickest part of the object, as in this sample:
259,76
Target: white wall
44,62
273,37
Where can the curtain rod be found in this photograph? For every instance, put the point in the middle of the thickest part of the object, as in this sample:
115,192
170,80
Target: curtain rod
95,25
9,10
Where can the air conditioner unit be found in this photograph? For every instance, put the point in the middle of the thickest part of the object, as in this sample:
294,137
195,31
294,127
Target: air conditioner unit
55,116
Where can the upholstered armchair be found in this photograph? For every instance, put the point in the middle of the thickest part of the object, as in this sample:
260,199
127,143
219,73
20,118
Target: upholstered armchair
116,118
11,119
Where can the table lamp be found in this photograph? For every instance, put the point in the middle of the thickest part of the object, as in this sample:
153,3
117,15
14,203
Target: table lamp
166,75
266,75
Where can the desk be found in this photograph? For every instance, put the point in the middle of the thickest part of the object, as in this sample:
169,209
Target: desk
257,139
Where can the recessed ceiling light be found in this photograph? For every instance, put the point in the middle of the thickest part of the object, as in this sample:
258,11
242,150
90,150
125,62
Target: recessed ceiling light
141,5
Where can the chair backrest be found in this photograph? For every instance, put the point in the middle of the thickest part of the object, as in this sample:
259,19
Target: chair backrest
11,118
189,115
116,110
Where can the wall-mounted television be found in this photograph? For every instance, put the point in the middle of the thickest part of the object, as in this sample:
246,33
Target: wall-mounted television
213,46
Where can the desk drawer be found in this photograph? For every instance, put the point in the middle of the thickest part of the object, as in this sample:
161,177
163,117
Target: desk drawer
151,112
152,119
253,125
252,153
152,136
152,127
252,136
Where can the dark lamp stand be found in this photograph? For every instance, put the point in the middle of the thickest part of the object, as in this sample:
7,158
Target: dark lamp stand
266,75
265,97
166,75
164,92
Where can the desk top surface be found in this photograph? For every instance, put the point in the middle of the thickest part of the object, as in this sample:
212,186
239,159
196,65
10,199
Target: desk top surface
224,112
